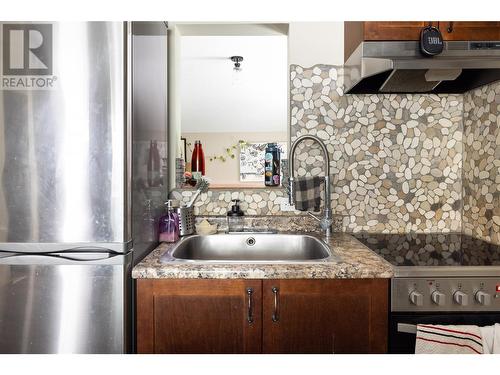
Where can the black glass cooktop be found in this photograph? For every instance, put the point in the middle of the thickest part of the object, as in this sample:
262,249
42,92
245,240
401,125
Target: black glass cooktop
422,249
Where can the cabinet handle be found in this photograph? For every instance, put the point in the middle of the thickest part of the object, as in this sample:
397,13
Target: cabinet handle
450,27
276,312
250,305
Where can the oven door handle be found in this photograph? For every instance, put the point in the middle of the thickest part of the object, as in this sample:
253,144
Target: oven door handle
407,328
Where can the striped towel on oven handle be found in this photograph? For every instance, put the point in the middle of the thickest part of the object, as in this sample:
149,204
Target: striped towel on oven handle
448,339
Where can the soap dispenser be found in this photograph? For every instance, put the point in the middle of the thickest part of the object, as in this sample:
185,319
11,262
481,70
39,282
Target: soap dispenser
169,225
235,220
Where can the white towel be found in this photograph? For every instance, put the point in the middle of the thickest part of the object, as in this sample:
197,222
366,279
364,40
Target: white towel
448,339
491,339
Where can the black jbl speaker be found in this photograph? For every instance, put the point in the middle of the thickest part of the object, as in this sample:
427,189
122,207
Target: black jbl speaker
431,41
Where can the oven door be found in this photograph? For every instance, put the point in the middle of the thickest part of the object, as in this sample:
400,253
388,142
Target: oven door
402,339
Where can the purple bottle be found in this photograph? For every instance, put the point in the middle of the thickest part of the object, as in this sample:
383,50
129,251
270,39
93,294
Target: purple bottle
169,225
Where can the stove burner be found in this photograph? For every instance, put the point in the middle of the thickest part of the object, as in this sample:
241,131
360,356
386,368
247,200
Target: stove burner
431,249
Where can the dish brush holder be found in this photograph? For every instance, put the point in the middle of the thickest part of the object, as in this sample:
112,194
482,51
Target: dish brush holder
186,220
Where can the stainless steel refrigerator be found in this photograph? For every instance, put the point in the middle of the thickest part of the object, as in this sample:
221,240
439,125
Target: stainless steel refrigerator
81,105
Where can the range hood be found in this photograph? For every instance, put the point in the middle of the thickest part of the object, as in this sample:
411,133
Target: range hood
400,67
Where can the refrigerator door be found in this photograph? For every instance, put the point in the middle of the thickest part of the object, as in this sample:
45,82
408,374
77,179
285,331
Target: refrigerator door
63,134
64,303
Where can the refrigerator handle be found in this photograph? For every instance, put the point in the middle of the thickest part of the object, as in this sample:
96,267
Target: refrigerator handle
61,258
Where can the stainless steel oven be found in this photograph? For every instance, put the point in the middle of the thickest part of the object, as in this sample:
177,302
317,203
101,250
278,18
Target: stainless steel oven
441,300
438,278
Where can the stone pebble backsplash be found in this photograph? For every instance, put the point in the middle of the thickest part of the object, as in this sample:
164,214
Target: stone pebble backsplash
396,159
252,201
481,177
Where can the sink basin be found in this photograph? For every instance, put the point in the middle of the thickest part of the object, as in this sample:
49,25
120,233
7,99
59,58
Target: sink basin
251,248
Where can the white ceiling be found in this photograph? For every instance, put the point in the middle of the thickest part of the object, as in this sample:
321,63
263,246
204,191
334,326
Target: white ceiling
215,99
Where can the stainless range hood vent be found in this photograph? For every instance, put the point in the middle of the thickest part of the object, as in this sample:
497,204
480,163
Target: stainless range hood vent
399,67
408,79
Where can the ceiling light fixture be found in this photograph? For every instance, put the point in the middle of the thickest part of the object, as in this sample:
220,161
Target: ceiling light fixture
237,62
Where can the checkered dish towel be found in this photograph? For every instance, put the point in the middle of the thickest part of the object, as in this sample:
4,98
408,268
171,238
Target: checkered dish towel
308,193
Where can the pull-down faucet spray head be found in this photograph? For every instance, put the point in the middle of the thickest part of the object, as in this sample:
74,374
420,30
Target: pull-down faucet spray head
326,221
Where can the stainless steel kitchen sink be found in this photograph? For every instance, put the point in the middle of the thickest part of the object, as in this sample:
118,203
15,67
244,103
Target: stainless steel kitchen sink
250,248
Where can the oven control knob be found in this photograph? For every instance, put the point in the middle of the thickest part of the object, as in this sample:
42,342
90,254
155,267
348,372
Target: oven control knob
461,298
438,298
483,298
416,298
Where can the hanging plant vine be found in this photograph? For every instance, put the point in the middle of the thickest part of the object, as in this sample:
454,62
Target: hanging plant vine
229,152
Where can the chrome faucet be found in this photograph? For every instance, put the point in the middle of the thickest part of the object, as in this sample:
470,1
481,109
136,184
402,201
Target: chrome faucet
326,221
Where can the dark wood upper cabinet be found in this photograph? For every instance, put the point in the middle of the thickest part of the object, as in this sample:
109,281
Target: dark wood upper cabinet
325,316
357,31
199,316
462,30
395,30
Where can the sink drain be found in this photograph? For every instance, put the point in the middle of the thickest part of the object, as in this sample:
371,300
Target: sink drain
250,241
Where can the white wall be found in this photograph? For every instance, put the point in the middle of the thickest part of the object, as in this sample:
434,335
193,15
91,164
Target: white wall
174,103
311,43
216,99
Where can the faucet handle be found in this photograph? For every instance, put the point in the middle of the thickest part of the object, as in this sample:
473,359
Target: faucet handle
314,216
324,222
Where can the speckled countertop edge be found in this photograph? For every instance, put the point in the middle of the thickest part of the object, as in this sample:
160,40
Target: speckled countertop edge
356,261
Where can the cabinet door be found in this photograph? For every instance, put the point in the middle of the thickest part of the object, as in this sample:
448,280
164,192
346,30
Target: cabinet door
394,30
325,316
199,316
453,30
356,32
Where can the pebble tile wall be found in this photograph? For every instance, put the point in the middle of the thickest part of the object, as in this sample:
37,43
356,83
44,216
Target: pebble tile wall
252,201
481,177
396,159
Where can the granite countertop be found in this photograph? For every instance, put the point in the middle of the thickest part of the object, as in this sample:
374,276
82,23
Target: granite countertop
356,261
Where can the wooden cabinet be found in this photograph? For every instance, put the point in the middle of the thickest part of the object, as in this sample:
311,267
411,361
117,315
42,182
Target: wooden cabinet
463,30
199,316
394,30
356,31
325,316
287,316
